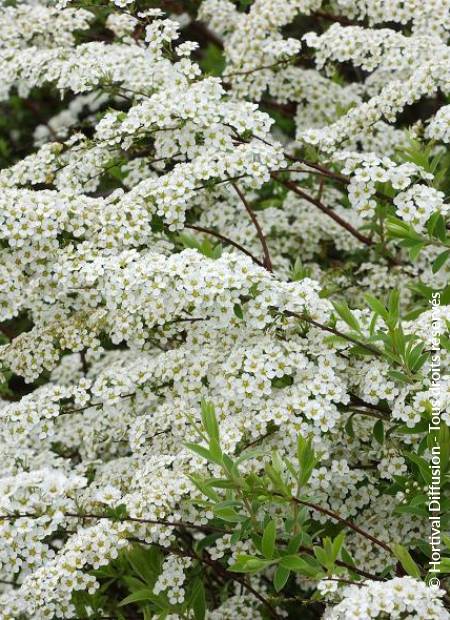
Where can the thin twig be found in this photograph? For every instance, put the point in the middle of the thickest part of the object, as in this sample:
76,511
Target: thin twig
235,244
332,214
267,260
74,515
345,522
335,332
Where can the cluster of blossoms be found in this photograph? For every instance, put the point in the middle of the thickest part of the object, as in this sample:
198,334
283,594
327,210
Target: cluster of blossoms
172,237
415,204
395,598
432,17
172,578
439,126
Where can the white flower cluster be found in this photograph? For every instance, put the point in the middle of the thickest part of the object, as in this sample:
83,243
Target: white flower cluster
415,204
172,578
119,312
39,25
418,203
395,598
439,126
431,17
406,69
253,40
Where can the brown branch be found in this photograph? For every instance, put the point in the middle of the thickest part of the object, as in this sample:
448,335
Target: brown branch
317,203
84,364
260,68
184,524
267,260
235,244
333,331
370,414
345,522
325,171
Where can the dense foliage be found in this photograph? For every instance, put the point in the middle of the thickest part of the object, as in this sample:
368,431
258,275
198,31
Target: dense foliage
224,309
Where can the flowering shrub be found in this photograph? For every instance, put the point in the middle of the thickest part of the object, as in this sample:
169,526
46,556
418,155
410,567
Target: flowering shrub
224,309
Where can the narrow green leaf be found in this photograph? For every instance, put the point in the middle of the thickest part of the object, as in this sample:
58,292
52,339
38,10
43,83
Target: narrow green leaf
376,306
416,250
268,540
422,464
394,304
237,309
404,557
337,545
200,450
445,565
209,420
215,450
146,594
306,459
144,563
399,376
298,565
378,431
346,315
440,261
249,564
198,600
295,543
280,578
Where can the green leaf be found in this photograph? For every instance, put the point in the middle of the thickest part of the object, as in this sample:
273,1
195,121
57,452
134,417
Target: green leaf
404,557
446,541
394,305
399,376
249,564
212,60
349,427
337,545
231,467
268,540
198,600
237,309
157,223
306,459
201,451
436,227
416,250
440,261
280,578
189,241
215,451
209,420
145,563
422,464
377,306
146,594
346,315
215,456
298,565
347,558
378,431
399,229
445,296
295,543
323,557
445,565
228,513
